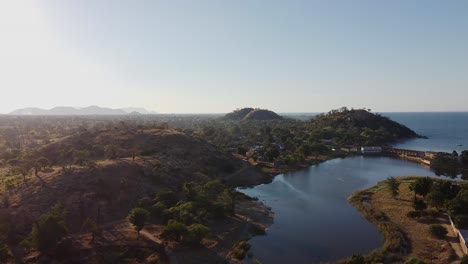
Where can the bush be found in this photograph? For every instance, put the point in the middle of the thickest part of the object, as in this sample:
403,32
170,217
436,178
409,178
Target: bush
414,214
432,213
419,204
438,231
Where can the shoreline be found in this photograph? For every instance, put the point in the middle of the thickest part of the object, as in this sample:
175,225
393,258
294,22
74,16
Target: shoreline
405,238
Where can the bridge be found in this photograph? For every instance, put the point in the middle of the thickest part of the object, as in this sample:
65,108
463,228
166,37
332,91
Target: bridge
404,152
424,157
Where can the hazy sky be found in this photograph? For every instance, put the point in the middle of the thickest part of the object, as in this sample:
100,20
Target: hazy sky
215,56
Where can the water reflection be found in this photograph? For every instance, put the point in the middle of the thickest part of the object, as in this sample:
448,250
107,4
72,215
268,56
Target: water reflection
313,220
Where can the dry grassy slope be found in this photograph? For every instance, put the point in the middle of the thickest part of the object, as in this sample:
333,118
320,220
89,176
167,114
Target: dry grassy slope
176,152
118,184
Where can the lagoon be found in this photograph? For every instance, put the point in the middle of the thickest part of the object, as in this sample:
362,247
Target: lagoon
313,220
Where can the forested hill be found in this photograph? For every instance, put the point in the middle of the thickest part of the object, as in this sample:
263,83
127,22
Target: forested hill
359,127
249,113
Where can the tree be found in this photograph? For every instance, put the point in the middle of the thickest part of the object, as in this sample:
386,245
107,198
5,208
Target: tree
464,157
50,229
174,230
20,165
40,164
419,204
81,157
111,151
454,153
436,198
67,156
196,233
393,186
421,186
137,217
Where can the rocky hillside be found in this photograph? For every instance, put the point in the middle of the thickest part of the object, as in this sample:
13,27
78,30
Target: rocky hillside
359,127
252,114
101,175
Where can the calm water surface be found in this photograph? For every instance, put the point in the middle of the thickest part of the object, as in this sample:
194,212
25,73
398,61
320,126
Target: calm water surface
313,220
445,131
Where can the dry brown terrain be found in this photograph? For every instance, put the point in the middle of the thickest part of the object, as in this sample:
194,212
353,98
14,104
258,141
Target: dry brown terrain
114,186
415,231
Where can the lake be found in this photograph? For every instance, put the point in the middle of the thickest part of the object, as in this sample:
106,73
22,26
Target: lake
313,220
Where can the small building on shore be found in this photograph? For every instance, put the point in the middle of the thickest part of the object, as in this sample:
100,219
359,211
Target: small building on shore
371,150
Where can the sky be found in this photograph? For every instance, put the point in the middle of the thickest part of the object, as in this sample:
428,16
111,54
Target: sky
202,56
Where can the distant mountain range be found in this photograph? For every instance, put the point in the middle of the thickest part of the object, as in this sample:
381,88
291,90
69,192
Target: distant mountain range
90,110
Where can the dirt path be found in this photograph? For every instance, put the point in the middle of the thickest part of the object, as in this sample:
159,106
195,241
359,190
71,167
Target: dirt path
170,254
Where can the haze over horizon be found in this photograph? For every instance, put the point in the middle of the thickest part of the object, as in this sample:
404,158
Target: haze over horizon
216,56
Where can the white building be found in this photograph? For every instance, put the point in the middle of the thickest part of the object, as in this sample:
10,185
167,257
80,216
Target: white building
371,150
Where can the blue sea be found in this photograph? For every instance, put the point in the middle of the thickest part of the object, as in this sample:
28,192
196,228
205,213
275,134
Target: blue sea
446,131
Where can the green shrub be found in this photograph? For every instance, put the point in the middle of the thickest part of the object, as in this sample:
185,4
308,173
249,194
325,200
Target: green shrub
419,204
414,214
438,231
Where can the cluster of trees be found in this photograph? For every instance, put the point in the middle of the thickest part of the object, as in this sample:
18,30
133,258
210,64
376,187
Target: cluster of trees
358,127
451,165
294,140
23,165
49,229
184,215
442,195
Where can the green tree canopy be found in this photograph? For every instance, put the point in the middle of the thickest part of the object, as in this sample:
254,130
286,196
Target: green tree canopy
137,217
421,186
393,186
50,228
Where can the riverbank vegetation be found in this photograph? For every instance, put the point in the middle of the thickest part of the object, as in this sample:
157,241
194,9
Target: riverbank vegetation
412,230
452,165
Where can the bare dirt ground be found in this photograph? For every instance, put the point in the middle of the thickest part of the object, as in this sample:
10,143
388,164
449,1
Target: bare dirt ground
423,246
